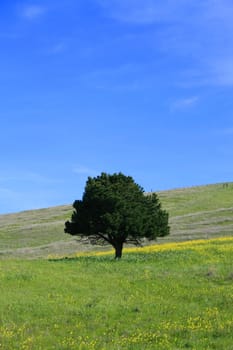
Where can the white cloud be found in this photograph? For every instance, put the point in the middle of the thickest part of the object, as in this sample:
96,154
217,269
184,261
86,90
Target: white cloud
56,49
6,192
198,31
126,77
131,10
25,199
226,132
26,190
184,103
83,170
148,11
5,35
219,10
215,72
222,70
26,176
32,12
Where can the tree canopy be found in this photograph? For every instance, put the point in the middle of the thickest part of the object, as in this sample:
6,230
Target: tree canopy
115,210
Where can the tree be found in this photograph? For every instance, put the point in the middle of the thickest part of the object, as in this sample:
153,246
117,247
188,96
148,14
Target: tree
115,210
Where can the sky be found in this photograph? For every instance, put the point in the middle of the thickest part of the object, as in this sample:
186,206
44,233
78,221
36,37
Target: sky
142,87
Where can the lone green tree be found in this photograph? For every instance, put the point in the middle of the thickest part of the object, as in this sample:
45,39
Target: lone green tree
115,210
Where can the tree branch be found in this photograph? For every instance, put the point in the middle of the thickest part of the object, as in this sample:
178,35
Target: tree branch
134,241
103,237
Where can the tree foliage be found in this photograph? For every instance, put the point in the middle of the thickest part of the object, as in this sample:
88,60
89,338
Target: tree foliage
115,210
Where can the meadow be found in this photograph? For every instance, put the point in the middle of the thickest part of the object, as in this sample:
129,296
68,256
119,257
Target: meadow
170,296
174,294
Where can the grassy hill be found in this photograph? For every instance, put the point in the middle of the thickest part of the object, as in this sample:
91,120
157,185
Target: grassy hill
199,212
195,212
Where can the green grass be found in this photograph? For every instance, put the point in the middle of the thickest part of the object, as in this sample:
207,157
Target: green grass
167,297
171,299
197,199
199,212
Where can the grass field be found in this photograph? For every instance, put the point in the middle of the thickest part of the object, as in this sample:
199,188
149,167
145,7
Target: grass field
196,212
165,297
57,293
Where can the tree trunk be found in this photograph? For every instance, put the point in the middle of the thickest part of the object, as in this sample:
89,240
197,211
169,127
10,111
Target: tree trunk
118,250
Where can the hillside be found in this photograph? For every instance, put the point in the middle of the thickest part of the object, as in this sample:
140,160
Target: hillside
199,212
195,212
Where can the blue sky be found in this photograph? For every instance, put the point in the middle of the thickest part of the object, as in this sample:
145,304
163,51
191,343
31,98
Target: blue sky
138,86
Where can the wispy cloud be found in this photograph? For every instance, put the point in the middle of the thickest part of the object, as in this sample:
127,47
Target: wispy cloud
32,12
84,170
6,192
214,72
26,176
219,10
173,11
24,190
147,11
5,35
25,199
222,71
184,103
199,30
128,11
126,77
56,49
225,132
